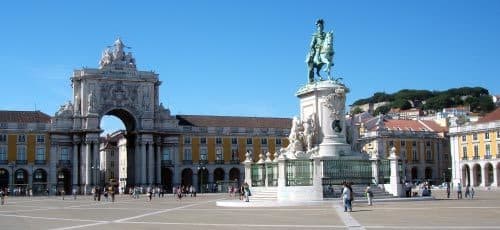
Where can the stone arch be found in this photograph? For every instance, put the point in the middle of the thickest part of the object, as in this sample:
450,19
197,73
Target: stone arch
497,172
488,172
166,180
234,175
63,181
187,177
126,116
218,174
466,175
202,179
4,178
39,181
414,173
476,175
21,177
428,174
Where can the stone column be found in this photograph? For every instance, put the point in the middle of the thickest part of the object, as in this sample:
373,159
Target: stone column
85,167
158,163
395,185
281,171
96,159
54,157
75,165
248,169
137,163
151,163
484,175
495,176
317,179
375,167
142,168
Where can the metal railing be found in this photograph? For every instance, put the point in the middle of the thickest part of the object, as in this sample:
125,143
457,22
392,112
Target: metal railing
166,162
219,162
187,162
299,173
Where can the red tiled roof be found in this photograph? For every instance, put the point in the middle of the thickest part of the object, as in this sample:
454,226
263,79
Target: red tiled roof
229,121
434,126
24,116
493,116
405,125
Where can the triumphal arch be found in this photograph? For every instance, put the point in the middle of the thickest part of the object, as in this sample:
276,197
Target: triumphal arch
115,88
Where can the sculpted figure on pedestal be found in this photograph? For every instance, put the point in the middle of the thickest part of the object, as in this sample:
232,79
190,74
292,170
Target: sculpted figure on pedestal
321,52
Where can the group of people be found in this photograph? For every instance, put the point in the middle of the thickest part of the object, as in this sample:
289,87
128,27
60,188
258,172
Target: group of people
107,192
469,191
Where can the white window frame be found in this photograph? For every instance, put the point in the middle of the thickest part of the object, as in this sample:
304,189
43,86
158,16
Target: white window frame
3,152
187,155
21,138
40,139
21,153
219,154
3,137
165,155
203,154
40,154
64,154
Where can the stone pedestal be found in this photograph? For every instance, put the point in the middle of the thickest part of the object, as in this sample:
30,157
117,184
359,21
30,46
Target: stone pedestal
395,182
324,101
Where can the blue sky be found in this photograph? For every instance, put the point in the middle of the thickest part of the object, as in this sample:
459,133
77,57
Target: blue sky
247,57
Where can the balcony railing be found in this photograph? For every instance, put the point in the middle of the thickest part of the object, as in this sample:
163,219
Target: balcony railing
219,162
202,162
475,157
187,162
487,156
166,162
3,162
64,163
235,162
429,161
21,162
40,162
464,158
416,161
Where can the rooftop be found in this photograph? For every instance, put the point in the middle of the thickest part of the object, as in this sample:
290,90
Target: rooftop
231,121
24,116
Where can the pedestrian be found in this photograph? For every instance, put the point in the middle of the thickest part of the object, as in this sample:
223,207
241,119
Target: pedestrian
346,197
247,192
459,191
448,190
242,191
150,194
369,195
179,193
74,193
472,192
467,191
2,196
62,193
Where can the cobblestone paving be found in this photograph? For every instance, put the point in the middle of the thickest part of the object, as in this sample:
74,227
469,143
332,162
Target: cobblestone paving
483,212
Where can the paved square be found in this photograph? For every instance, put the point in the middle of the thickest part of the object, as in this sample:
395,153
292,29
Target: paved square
202,213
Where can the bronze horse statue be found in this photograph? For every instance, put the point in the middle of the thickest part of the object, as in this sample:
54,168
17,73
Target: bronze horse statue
318,58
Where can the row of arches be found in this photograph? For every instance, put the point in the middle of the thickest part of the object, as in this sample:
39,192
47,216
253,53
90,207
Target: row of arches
475,174
427,176
201,179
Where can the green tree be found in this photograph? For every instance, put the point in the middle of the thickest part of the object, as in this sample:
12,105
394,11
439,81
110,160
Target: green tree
381,110
401,103
356,110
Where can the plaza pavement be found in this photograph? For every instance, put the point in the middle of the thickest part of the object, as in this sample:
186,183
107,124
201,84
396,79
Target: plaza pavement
202,213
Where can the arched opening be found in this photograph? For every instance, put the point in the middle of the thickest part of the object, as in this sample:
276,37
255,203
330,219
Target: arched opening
465,175
39,182
203,179
234,175
4,178
63,181
167,179
476,172
118,161
20,182
488,171
497,171
187,177
428,174
219,180
414,174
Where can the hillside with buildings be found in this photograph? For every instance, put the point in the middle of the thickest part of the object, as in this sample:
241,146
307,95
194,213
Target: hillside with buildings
477,99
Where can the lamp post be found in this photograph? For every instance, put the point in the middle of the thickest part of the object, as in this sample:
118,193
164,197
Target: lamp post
201,169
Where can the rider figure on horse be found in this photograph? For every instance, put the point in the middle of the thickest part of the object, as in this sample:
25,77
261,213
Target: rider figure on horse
316,58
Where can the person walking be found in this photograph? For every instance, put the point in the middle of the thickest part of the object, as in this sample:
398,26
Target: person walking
472,192
2,196
346,197
73,192
247,192
369,195
467,191
448,190
459,191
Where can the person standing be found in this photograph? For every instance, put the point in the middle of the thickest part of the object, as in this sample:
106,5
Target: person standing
369,195
346,197
247,192
2,196
459,191
74,193
472,192
467,191
448,190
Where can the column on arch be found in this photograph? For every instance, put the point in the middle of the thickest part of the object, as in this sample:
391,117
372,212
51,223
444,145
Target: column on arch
484,175
151,161
142,156
496,171
158,162
137,162
96,163
85,166
75,164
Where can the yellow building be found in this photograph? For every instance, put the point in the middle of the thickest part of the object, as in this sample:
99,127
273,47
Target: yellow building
475,151
24,148
421,145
